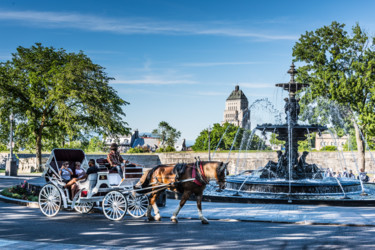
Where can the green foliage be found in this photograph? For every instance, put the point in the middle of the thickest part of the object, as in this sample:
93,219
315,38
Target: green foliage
165,149
3,147
341,69
167,134
56,97
21,191
307,144
329,148
95,144
350,144
138,149
217,132
275,141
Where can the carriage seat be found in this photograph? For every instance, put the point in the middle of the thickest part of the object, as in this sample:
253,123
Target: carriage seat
89,184
104,164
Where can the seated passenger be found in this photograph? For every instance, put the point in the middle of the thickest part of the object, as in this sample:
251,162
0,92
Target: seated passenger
65,172
80,172
91,170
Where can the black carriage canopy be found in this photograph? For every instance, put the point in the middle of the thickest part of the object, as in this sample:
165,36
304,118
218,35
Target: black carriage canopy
71,155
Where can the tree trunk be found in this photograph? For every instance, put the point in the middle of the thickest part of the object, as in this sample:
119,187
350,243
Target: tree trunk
360,147
38,154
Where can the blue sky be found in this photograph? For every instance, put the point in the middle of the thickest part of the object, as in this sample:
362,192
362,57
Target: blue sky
178,61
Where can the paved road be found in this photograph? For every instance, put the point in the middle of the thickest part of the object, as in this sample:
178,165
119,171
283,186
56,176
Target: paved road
24,224
22,227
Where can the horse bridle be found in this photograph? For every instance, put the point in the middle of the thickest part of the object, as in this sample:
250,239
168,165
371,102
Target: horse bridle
220,172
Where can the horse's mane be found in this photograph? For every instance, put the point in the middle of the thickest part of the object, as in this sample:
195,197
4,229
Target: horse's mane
149,176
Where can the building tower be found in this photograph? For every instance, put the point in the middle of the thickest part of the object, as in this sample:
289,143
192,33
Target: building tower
236,109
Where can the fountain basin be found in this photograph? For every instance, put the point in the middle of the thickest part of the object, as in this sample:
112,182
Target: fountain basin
327,186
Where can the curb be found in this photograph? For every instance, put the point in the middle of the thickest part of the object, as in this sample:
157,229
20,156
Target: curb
28,177
31,204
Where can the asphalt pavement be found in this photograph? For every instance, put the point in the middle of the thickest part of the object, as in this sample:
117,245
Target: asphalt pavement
27,228
231,226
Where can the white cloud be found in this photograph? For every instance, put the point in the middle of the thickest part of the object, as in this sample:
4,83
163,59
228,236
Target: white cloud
154,80
213,64
132,26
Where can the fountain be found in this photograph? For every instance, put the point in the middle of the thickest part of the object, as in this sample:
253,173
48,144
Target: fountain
291,175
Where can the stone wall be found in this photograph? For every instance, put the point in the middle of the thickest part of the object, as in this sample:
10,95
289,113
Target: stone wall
253,160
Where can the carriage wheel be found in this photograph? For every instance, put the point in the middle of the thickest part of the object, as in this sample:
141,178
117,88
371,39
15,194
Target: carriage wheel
49,200
114,205
82,207
137,205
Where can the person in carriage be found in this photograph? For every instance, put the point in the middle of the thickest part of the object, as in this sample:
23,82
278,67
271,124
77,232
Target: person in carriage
65,172
116,162
80,172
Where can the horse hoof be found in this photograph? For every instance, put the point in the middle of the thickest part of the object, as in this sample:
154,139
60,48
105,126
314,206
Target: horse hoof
205,222
149,219
174,221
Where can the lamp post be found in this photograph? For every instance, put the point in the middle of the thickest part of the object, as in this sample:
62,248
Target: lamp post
209,143
11,166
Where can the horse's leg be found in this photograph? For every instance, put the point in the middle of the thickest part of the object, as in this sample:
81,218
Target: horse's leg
199,206
149,208
153,205
184,198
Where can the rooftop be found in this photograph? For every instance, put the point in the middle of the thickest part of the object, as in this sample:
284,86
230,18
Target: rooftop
236,94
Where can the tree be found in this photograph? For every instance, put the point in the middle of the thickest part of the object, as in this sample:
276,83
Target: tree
95,144
275,141
341,68
167,134
217,132
55,96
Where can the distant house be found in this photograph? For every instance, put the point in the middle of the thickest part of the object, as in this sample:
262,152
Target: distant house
151,142
180,145
137,139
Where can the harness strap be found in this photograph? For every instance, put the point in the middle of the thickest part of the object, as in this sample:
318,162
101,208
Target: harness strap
203,174
194,175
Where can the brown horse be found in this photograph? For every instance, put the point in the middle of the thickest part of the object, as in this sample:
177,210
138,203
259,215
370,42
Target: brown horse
163,175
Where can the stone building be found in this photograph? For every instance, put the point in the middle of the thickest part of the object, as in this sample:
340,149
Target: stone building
328,140
237,109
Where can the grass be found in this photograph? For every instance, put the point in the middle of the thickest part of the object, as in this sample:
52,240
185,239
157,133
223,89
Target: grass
2,171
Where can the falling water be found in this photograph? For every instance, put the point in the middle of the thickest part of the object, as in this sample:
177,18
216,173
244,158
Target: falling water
221,140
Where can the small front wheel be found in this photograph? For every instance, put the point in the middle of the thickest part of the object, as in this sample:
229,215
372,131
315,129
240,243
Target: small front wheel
49,200
114,205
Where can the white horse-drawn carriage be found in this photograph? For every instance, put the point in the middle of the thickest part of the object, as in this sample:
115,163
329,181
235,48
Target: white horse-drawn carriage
115,194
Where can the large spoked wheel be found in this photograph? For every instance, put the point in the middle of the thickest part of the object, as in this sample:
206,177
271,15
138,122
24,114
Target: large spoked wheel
82,207
49,200
114,205
137,205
